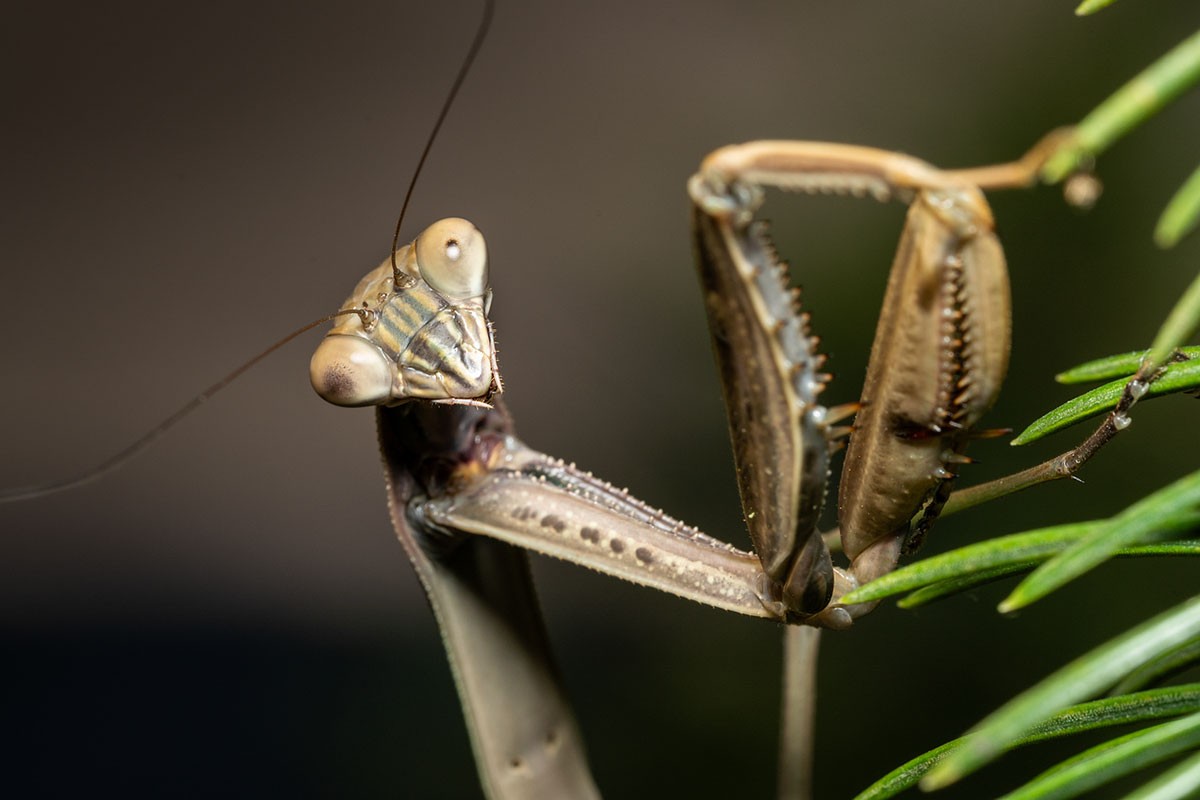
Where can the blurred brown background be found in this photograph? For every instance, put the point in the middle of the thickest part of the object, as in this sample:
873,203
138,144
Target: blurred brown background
184,183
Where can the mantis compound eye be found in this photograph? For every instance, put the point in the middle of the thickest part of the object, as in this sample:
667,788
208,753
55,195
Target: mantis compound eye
350,371
452,258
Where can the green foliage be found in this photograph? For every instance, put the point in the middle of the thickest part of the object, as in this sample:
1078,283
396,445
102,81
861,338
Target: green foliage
1180,377
1092,6
1141,523
1053,557
1125,709
1179,326
1132,104
1178,783
1020,552
1085,676
1118,366
1181,214
1112,759
1128,107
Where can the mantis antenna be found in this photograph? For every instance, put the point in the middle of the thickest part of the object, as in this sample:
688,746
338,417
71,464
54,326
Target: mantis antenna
139,445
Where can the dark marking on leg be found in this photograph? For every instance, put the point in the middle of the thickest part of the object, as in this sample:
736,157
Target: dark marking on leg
644,555
590,535
617,545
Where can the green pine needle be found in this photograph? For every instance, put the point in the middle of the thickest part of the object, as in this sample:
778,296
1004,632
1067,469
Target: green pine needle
1085,676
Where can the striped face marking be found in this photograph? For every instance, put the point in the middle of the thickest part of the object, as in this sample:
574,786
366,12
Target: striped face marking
425,335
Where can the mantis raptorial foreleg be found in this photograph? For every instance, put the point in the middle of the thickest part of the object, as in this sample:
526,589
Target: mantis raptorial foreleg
422,349
940,354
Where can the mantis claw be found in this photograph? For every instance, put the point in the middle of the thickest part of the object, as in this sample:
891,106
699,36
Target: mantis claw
724,199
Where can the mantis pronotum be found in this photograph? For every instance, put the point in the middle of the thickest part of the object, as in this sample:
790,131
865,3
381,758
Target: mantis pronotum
614,265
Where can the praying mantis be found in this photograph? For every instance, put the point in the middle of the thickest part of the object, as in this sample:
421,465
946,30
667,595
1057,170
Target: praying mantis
580,283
